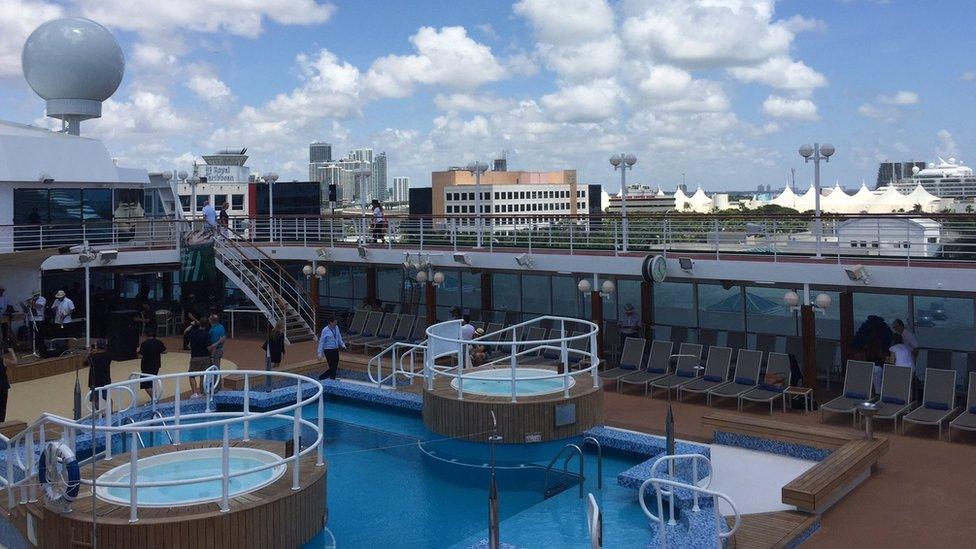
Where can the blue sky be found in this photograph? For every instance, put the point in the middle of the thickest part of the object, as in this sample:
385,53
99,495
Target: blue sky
723,91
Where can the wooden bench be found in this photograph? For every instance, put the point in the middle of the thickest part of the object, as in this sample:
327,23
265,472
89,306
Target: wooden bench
852,458
312,368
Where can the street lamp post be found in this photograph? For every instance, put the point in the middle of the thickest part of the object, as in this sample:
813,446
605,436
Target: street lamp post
478,168
623,162
270,179
193,181
817,153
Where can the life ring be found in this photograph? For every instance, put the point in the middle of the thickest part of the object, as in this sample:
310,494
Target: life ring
59,473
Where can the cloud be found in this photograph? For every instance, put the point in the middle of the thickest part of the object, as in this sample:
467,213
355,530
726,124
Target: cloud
575,38
798,24
899,98
460,102
210,88
783,73
18,18
445,57
878,113
968,76
592,102
790,109
239,17
145,114
947,145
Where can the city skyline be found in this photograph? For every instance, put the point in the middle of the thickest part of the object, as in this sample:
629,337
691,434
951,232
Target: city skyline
723,92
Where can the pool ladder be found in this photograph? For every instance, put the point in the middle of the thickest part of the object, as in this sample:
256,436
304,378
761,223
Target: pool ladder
574,450
156,415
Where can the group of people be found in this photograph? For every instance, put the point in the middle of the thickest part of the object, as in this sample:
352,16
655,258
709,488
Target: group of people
881,344
214,220
205,339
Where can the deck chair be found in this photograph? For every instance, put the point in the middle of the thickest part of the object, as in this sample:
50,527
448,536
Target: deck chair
370,327
535,333
967,420
401,334
746,377
546,356
357,323
716,372
858,388
384,333
778,364
419,332
631,358
896,392
578,360
687,367
938,400
492,328
658,364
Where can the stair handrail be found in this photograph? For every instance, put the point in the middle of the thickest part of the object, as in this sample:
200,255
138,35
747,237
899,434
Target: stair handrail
574,450
672,461
127,420
376,362
162,420
657,483
301,295
599,458
264,285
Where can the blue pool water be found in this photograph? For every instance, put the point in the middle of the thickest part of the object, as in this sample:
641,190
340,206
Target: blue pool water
503,385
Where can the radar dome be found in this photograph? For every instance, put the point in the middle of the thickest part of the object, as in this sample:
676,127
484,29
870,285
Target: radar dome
74,64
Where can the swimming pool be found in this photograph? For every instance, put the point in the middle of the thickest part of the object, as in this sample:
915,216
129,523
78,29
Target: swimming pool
186,465
501,382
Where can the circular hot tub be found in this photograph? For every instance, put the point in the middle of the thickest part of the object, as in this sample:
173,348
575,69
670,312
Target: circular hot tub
186,465
498,382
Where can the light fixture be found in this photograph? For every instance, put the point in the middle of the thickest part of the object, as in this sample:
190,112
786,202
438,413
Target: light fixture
820,304
584,286
324,255
823,301
108,255
407,264
320,271
858,273
421,276
438,278
307,270
791,299
462,258
524,261
607,287
686,264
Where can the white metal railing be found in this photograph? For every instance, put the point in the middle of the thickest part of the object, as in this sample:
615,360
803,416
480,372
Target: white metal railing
23,450
398,353
658,483
703,481
440,346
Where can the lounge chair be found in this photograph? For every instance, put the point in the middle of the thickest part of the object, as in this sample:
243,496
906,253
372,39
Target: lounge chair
384,333
896,393
631,358
777,363
716,372
547,356
967,420
658,364
357,323
491,329
938,400
687,367
402,334
370,327
535,333
857,389
419,332
746,376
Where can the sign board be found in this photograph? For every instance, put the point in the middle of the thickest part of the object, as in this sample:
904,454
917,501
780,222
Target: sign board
565,414
533,437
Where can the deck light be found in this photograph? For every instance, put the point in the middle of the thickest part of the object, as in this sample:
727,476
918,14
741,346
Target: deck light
363,252
584,286
791,299
307,270
320,271
524,261
438,278
858,273
823,302
607,287
421,276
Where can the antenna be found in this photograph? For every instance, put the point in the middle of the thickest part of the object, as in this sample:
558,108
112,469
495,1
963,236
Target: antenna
793,179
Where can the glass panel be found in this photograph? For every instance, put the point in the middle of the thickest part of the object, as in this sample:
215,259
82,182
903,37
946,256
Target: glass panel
766,313
30,206
674,304
65,205
97,204
887,306
719,308
944,323
536,294
389,282
628,291
128,203
219,200
565,296
237,201
358,282
202,201
470,290
610,303
339,282
828,324
449,293
505,292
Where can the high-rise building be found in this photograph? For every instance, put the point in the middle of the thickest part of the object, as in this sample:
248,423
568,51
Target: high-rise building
361,155
319,151
499,165
377,183
401,189
889,172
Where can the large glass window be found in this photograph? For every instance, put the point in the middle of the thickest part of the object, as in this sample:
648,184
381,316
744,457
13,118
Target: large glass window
97,204
628,291
944,323
766,313
449,293
828,322
65,205
720,308
358,283
30,206
128,203
674,304
887,306
505,292
389,283
565,296
536,294
470,290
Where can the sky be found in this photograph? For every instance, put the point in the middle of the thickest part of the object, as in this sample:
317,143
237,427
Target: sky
718,92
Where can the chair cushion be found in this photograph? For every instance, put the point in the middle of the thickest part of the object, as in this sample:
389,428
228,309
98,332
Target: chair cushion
627,366
657,370
936,405
854,394
745,381
713,378
774,388
892,400
682,373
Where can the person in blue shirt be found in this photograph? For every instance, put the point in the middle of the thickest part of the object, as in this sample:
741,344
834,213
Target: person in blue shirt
218,335
209,215
329,344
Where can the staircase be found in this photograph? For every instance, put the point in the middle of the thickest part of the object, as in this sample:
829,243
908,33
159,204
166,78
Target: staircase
266,283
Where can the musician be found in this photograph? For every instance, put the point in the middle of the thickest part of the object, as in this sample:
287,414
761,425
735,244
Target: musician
34,317
62,308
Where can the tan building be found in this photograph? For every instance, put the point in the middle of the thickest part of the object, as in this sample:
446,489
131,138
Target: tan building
508,193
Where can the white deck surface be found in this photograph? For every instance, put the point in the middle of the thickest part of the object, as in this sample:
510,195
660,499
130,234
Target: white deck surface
754,480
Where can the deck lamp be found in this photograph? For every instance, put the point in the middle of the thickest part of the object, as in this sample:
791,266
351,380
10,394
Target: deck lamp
584,286
820,303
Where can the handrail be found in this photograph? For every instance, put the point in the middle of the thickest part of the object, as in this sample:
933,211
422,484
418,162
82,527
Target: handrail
129,420
396,367
599,459
671,460
162,420
575,450
673,485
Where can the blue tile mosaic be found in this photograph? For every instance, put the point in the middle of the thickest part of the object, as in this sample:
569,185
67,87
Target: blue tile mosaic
805,535
398,399
800,451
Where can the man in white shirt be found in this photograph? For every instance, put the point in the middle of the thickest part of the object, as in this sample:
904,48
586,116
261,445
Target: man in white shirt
630,324
907,337
62,307
467,329
209,215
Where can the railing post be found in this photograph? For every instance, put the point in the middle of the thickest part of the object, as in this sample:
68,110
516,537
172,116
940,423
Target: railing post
564,355
421,234
247,407
225,471
296,439
694,480
29,454
133,476
10,476
514,364
176,411
319,461
108,423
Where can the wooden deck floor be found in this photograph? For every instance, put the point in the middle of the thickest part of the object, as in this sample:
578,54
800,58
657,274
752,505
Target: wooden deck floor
770,530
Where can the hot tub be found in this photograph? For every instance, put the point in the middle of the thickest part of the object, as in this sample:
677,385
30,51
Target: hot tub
500,383
187,465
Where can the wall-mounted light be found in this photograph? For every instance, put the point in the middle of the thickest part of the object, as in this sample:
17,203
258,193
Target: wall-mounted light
363,252
820,303
462,258
323,254
858,273
686,264
108,255
319,271
524,261
607,287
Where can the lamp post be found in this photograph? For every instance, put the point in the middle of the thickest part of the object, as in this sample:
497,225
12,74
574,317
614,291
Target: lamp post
623,162
476,169
362,173
270,178
817,153
193,181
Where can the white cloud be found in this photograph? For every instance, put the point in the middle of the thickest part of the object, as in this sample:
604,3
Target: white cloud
592,102
575,38
947,145
209,88
445,57
460,102
798,24
901,97
666,82
18,18
152,56
783,73
239,17
145,114
790,109
878,113
968,76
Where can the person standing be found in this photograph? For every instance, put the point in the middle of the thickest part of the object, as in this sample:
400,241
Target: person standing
329,344
218,335
62,309
274,345
199,340
209,216
379,224
7,358
191,315
467,329
99,370
907,337
630,324
151,351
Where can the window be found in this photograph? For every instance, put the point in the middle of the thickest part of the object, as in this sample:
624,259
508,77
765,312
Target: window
674,304
389,282
185,201
202,201
65,205
505,292
536,294
945,323
237,201
766,314
470,290
933,240
220,200
720,308
887,306
853,244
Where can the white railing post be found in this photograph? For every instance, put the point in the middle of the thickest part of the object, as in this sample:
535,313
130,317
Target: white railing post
247,407
694,480
321,425
514,364
296,438
133,475
594,359
176,411
225,471
564,355
108,423
10,476
29,453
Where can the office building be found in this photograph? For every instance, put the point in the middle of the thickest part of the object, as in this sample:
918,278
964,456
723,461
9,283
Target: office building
377,182
319,151
401,189
889,172
499,165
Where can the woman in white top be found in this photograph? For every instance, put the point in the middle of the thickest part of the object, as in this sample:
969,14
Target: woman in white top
379,225
899,354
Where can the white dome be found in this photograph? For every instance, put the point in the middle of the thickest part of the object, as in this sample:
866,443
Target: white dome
73,58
